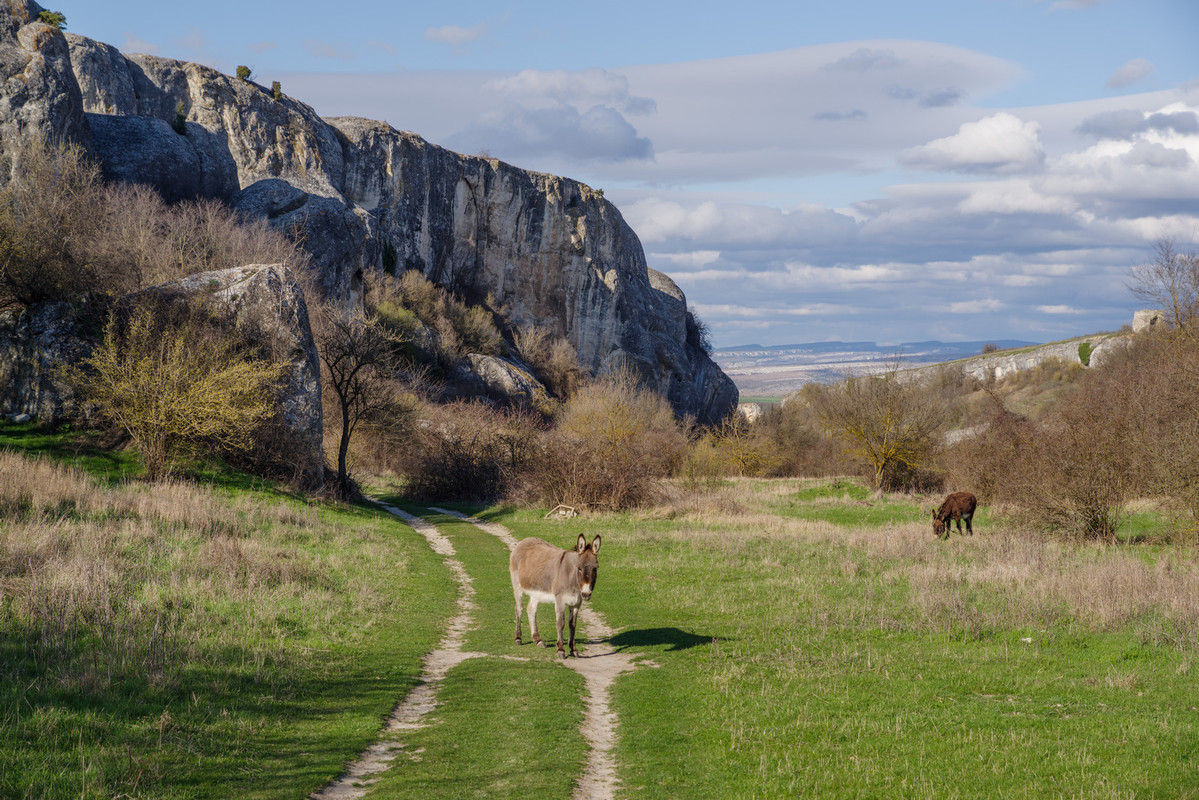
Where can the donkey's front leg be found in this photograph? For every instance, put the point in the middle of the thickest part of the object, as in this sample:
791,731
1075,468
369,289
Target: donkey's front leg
560,610
574,618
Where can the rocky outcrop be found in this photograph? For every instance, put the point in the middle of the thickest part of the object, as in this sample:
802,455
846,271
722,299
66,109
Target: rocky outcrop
1001,365
1148,318
500,380
263,302
40,96
266,305
354,191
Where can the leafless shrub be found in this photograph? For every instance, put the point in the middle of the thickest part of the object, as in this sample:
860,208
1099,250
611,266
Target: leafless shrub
798,443
610,445
470,451
1073,470
1154,379
889,423
64,234
458,328
148,242
51,209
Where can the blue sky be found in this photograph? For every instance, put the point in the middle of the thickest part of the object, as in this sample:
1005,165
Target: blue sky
858,170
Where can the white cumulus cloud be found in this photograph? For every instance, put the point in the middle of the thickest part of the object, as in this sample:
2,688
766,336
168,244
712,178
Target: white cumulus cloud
586,88
999,144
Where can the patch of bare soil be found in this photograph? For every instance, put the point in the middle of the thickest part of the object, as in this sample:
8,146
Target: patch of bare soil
408,715
600,664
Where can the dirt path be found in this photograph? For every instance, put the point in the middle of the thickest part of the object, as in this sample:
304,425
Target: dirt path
600,665
408,715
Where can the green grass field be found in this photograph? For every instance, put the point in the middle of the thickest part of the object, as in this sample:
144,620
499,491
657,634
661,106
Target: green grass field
795,639
802,657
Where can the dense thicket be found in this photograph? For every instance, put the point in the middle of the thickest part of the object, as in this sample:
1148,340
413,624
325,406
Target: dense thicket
66,235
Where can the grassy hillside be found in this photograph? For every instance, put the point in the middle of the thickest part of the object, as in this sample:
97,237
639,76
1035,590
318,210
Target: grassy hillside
174,641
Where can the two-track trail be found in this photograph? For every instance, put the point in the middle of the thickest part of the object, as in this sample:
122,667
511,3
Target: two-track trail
599,664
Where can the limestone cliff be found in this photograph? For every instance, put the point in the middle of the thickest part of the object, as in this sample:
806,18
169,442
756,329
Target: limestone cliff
551,249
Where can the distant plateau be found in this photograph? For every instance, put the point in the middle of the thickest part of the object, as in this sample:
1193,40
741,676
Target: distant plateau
777,370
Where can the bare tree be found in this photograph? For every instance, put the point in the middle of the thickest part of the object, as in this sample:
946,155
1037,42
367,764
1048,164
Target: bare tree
50,212
1170,282
890,422
361,369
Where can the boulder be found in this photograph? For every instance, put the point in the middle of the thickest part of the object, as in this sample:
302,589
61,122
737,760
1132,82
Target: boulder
1147,319
266,305
500,380
264,302
751,411
149,151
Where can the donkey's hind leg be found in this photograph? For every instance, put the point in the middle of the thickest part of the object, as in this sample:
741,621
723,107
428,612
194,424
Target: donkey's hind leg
516,591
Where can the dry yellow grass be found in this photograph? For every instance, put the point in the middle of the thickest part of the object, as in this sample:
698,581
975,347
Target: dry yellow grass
136,571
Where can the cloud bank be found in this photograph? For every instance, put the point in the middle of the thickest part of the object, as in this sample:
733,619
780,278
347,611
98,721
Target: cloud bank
856,191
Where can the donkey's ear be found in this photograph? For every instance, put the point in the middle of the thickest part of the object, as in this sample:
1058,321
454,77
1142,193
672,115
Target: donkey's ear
595,543
581,544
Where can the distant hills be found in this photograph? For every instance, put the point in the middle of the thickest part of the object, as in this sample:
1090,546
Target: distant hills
776,370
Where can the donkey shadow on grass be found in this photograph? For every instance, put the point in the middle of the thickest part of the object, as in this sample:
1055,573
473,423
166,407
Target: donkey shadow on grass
671,638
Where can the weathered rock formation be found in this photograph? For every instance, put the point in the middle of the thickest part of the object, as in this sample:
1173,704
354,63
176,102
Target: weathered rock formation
1001,365
1148,318
500,380
353,190
40,96
263,301
266,304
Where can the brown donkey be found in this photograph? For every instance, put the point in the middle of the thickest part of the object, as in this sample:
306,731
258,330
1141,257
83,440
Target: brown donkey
958,506
548,574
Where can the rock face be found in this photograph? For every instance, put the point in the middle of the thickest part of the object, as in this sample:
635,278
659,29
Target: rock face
33,345
352,190
1000,366
40,95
